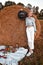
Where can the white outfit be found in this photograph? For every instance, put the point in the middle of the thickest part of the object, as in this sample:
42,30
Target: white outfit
30,36
2,47
2,61
14,58
30,21
30,29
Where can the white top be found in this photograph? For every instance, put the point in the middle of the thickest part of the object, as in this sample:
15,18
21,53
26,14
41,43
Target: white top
30,21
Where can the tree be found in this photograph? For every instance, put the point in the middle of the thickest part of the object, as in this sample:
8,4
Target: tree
41,12
1,6
37,12
21,4
29,6
34,9
37,8
8,3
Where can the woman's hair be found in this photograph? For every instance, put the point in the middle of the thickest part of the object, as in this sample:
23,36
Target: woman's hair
22,14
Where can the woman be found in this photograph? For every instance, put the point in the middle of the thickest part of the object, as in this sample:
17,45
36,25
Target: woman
30,30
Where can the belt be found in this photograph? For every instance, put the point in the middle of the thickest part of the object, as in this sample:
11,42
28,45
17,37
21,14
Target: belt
29,26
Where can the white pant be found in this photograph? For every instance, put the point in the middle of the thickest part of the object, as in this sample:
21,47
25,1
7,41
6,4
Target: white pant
30,36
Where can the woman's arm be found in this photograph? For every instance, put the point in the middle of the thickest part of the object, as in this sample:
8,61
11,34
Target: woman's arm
34,24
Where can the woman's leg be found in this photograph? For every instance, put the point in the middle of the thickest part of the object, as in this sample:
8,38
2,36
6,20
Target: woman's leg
30,37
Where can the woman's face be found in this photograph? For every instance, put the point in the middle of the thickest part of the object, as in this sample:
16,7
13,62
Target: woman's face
30,14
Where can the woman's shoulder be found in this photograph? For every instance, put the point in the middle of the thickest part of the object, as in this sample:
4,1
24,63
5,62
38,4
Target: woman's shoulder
33,18
26,18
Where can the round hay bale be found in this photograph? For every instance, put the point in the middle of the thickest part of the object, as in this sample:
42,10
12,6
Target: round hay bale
12,29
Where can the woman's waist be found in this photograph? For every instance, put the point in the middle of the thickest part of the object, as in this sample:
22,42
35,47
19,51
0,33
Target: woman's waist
29,26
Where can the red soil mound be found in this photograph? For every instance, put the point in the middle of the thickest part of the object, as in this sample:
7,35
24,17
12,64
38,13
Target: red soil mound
12,30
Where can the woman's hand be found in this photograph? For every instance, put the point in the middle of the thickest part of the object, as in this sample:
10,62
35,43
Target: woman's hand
35,33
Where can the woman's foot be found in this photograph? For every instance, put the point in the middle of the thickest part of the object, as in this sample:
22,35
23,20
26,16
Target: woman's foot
29,53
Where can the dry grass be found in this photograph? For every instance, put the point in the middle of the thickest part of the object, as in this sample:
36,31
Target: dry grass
37,57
